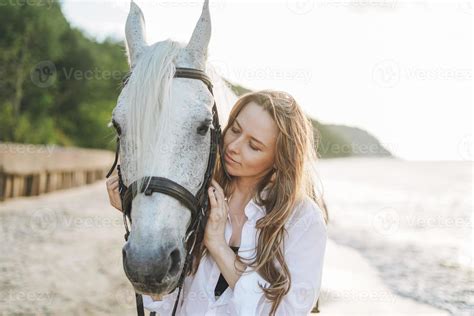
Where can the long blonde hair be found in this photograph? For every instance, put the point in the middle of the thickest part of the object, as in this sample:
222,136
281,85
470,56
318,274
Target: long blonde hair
293,178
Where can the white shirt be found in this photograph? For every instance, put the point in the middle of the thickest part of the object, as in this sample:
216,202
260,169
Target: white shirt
304,254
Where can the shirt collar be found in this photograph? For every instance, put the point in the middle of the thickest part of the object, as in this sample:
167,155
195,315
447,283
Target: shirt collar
253,211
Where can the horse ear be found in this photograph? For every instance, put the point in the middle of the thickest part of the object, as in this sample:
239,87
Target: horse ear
202,33
135,34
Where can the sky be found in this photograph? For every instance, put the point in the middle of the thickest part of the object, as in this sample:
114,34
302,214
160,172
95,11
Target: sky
401,70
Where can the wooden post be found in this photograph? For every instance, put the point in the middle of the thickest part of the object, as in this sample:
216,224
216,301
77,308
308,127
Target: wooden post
2,185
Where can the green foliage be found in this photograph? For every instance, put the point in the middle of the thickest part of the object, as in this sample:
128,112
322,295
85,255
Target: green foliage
56,85
329,142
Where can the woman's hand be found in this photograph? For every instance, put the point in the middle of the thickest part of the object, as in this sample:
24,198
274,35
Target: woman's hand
215,227
114,194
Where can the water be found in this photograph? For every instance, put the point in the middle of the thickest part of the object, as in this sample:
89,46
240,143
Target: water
411,220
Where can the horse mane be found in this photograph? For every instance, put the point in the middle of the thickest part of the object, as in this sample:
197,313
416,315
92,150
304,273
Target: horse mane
148,97
148,115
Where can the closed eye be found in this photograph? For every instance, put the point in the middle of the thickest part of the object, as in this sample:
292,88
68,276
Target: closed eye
235,131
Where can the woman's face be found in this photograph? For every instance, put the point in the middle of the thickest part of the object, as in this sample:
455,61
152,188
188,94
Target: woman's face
250,141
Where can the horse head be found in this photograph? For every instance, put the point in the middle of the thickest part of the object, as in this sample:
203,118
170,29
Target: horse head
164,126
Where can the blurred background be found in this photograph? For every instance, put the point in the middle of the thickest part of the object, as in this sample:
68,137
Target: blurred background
386,83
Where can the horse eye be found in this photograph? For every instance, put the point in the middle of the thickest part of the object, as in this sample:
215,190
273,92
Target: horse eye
125,79
117,127
204,127
202,130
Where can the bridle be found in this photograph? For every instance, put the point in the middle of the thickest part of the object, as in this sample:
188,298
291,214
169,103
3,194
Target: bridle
197,204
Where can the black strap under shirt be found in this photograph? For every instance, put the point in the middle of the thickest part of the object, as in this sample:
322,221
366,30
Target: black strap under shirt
222,284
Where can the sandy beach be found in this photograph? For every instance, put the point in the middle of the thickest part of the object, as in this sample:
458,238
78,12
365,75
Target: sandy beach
61,255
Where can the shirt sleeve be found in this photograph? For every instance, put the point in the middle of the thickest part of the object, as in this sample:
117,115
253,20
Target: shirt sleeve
304,254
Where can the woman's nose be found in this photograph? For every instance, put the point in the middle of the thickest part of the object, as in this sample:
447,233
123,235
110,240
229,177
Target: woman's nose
234,146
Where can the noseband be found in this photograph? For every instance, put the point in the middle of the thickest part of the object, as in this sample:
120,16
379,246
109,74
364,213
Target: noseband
197,204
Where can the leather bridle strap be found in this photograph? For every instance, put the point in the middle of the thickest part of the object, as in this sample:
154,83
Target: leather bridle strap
162,185
190,73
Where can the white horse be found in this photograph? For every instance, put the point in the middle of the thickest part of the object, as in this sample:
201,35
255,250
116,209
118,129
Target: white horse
159,117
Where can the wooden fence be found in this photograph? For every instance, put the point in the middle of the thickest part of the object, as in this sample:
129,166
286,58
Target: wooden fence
28,170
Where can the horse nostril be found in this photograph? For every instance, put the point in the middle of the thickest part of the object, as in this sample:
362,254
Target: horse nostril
175,262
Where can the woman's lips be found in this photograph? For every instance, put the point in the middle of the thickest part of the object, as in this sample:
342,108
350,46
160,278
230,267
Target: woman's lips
228,159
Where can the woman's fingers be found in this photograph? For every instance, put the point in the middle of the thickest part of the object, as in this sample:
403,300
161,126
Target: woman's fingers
219,192
113,191
217,187
113,187
112,180
212,197
215,197
112,183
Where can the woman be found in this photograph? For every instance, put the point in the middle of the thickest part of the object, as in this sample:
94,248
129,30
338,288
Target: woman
265,239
